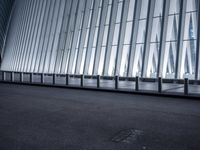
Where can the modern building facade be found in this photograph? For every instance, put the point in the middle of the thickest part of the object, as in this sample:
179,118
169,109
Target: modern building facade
5,10
146,38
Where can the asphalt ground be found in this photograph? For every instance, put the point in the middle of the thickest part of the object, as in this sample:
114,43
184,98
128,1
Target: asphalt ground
47,118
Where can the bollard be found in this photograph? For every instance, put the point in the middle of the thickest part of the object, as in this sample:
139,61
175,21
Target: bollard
116,82
21,76
159,84
186,83
98,81
82,80
42,78
54,78
31,77
12,76
3,76
67,79
137,83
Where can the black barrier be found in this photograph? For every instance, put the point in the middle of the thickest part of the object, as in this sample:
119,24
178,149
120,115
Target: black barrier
116,82
42,78
21,76
98,81
67,79
159,85
186,83
137,83
31,77
82,80
12,76
54,79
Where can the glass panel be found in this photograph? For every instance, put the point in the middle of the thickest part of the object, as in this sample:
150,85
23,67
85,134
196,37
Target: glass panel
174,6
95,37
169,60
158,8
83,61
91,62
131,10
124,61
111,68
191,5
172,28
143,13
99,14
137,67
108,14
188,59
156,29
141,31
101,63
190,26
128,32
153,60
119,12
74,61
116,34
105,36
86,38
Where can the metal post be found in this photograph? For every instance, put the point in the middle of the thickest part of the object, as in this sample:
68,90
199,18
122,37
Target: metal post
116,82
98,81
3,75
186,83
54,78
82,80
137,83
67,79
159,85
31,77
42,78
12,76
21,76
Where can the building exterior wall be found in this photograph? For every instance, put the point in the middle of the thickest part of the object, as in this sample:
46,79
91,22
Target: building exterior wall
5,10
147,38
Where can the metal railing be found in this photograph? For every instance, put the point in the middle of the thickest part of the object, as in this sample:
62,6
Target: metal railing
7,76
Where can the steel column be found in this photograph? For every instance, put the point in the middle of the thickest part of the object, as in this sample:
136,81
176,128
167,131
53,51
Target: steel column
166,4
136,16
78,24
103,15
91,36
110,36
122,31
180,38
84,33
68,40
148,33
